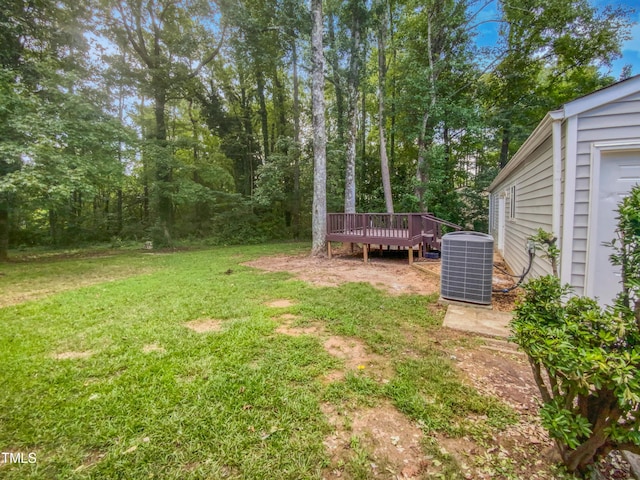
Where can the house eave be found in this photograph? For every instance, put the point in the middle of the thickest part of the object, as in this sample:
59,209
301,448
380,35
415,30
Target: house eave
606,95
539,135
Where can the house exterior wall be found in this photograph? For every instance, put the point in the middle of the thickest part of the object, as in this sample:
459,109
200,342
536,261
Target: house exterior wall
615,121
533,182
493,216
591,127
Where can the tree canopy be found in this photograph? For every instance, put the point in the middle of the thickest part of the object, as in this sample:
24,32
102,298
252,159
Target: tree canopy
165,119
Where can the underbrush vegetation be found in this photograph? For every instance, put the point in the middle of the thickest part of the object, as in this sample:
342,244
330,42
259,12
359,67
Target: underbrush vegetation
102,378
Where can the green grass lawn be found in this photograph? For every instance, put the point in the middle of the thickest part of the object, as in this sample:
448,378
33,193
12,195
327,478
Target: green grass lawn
100,378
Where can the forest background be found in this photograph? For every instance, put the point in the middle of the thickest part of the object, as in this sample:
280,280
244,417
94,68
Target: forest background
177,119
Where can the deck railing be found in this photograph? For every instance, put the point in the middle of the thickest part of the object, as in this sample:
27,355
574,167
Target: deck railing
346,223
371,226
399,225
404,230
432,230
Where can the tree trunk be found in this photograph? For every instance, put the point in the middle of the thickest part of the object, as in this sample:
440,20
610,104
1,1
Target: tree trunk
340,113
422,169
363,124
248,134
504,147
273,137
163,166
394,56
53,226
145,173
295,211
107,213
382,72
4,230
119,212
449,160
281,123
422,172
96,210
264,121
337,83
200,210
76,210
119,219
353,87
350,171
319,221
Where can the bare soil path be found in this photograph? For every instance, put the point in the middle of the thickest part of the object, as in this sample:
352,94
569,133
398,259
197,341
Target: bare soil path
392,442
390,275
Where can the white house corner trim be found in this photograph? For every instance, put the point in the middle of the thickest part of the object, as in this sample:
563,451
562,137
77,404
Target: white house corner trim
594,191
571,158
557,179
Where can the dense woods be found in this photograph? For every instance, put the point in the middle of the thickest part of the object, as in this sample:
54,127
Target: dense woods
169,119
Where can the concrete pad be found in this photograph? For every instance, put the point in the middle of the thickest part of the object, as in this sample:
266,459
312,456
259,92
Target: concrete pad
478,320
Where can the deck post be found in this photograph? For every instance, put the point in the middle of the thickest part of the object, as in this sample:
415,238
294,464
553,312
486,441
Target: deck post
420,252
365,252
329,249
410,255
365,227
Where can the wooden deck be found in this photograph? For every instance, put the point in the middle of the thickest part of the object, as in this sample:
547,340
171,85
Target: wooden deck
421,231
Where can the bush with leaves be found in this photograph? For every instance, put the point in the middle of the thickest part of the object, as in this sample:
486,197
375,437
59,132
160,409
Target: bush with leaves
586,359
627,254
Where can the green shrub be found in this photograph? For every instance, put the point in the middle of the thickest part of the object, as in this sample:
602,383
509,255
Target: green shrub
627,254
586,359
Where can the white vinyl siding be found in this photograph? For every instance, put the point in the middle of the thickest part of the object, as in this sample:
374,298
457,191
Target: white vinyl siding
616,121
610,116
533,181
493,216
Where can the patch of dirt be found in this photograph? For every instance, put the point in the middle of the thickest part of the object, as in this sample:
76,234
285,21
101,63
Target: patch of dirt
185,379
153,347
71,355
287,327
393,276
496,372
286,317
204,325
333,376
393,442
352,351
356,356
280,303
297,331
54,256
496,368
165,250
191,466
493,367
90,460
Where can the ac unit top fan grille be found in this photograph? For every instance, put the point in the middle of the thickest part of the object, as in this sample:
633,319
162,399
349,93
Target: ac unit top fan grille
467,267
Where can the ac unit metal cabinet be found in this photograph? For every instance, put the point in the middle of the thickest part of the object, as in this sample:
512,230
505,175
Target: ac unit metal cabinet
467,267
